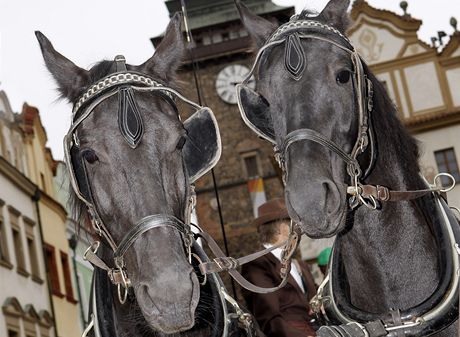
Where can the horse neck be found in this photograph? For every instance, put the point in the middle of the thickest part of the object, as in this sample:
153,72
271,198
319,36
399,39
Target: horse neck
389,255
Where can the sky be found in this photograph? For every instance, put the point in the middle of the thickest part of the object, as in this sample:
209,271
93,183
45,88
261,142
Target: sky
87,31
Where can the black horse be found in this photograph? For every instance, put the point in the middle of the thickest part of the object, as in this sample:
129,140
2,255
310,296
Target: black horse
339,142
132,163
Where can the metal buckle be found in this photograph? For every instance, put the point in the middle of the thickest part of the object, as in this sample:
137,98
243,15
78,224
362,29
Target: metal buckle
382,193
225,263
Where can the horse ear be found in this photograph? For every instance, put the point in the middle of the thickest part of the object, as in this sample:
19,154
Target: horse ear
169,53
259,28
70,78
335,14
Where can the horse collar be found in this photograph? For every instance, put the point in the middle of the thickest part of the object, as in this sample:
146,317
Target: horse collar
432,315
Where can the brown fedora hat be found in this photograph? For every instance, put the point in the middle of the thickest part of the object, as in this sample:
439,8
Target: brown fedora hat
272,210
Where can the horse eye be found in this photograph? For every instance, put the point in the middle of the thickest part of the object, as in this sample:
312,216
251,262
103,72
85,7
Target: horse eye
181,143
89,155
343,77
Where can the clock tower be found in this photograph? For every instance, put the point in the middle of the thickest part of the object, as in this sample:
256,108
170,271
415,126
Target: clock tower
246,170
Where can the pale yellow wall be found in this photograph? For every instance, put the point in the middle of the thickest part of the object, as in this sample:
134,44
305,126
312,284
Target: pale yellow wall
53,217
38,163
414,49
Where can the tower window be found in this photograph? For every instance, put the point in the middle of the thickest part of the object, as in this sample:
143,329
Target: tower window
251,165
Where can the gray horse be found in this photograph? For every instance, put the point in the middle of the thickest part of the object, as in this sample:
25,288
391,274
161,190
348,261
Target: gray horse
330,120
131,162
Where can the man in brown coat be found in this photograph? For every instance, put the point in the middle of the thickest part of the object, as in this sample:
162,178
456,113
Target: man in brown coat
286,311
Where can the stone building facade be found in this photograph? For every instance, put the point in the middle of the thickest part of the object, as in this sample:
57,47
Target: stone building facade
34,243
53,216
222,46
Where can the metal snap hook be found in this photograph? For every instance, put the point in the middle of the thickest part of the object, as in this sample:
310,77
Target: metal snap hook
122,295
456,209
93,248
369,202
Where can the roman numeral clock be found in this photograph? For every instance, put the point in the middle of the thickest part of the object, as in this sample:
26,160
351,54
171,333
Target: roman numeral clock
228,78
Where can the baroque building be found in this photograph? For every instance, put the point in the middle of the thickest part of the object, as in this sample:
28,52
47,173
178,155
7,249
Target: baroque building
53,216
41,301
423,81
24,294
79,240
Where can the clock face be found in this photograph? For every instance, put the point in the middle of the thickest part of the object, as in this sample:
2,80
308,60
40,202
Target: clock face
228,78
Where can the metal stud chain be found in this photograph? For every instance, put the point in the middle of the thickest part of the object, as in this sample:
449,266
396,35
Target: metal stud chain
114,80
304,24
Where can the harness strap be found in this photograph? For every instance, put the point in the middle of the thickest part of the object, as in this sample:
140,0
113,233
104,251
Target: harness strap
222,262
225,263
115,275
383,193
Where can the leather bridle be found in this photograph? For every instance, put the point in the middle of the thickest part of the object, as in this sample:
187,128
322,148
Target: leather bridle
310,29
97,93
360,193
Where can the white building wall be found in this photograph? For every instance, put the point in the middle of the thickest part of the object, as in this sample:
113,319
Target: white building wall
377,45
435,140
423,85
12,283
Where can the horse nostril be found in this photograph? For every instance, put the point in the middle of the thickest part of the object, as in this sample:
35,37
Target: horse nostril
331,202
145,300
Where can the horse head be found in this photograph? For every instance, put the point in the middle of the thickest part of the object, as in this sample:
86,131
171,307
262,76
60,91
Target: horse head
133,160
307,80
